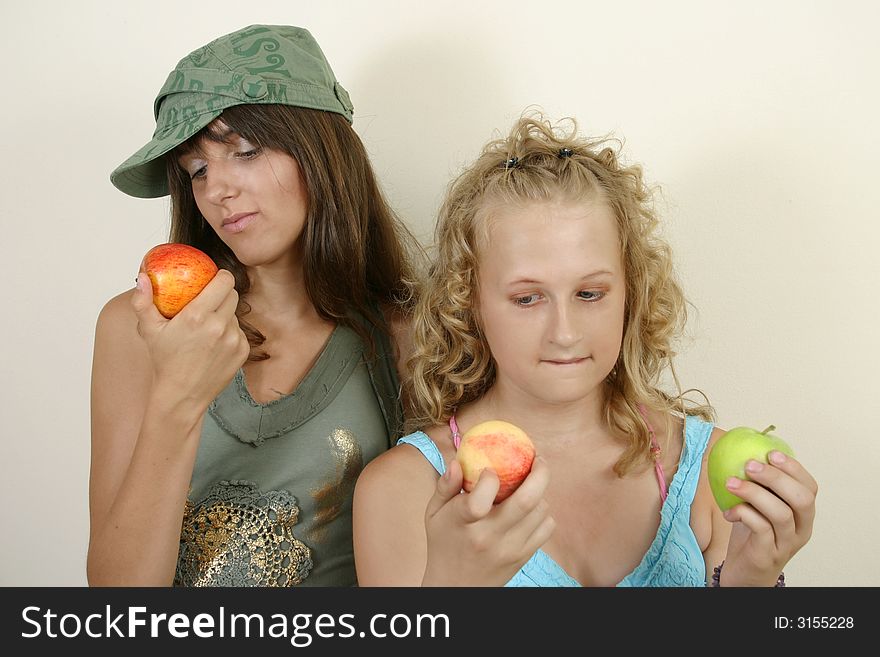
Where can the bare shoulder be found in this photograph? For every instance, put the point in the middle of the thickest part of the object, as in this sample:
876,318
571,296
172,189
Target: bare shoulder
121,371
716,434
403,468
117,315
118,346
390,498
402,475
703,491
397,463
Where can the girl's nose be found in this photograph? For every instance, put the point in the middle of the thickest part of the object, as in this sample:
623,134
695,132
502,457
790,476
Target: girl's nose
564,330
221,183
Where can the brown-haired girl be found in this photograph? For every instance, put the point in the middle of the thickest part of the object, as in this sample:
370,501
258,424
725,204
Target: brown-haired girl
226,441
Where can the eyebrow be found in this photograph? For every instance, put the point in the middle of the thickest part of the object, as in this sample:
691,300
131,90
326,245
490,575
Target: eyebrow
585,277
220,137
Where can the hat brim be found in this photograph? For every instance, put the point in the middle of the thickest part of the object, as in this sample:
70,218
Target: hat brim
144,175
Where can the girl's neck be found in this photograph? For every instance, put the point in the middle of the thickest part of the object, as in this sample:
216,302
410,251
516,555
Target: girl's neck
551,426
277,290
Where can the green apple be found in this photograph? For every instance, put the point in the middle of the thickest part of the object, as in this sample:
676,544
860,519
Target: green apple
729,455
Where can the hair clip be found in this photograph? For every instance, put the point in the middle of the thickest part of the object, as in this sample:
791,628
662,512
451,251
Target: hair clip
565,152
510,163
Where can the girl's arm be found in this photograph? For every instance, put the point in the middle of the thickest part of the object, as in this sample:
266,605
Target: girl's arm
388,515
152,380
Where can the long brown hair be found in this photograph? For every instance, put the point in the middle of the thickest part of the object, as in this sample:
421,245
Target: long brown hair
358,256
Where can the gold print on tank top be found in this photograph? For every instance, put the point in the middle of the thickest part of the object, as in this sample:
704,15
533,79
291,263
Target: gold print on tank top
330,499
240,536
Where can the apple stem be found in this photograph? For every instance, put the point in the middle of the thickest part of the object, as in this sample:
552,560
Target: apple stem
768,429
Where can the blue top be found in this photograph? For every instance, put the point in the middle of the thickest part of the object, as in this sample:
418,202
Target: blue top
674,557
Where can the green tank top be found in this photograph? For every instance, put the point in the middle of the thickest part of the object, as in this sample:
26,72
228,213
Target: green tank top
272,485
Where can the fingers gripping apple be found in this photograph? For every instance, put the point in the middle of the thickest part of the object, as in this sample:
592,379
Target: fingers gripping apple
729,456
177,272
499,445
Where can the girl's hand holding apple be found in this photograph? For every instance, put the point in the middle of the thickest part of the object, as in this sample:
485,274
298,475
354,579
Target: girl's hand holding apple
773,522
472,541
195,354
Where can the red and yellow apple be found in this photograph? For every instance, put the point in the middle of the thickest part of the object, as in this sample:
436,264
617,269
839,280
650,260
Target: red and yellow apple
177,272
501,446
730,453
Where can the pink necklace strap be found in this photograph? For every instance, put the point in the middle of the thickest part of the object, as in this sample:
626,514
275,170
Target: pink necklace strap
655,452
456,435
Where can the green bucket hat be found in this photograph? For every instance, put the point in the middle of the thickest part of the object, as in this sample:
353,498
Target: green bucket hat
259,64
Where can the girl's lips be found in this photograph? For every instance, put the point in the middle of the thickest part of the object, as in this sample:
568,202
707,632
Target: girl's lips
237,223
573,361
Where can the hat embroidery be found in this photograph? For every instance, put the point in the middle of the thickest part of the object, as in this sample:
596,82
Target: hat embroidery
277,93
269,45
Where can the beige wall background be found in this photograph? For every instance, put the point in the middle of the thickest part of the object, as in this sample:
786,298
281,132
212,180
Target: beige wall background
758,119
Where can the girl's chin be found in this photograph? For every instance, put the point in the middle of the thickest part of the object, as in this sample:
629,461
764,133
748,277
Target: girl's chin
260,257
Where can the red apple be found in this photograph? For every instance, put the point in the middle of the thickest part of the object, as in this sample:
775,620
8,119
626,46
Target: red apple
178,272
499,445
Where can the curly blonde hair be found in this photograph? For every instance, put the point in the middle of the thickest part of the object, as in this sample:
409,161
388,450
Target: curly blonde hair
451,363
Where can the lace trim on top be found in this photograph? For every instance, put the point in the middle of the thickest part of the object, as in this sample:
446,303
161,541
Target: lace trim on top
239,535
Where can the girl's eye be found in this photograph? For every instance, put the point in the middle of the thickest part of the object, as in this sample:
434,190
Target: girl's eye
526,301
199,173
587,295
249,154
